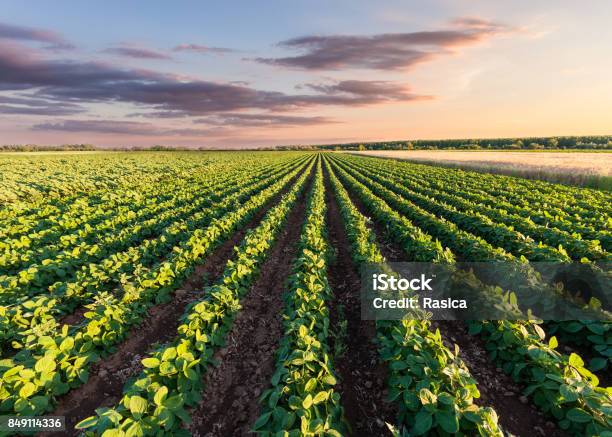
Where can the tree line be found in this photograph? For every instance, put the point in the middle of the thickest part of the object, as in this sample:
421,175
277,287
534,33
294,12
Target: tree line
591,142
527,143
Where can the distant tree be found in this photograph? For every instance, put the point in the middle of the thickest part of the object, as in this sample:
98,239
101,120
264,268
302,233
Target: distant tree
159,148
553,143
361,147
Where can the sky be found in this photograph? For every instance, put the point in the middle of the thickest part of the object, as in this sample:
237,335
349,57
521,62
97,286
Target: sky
247,74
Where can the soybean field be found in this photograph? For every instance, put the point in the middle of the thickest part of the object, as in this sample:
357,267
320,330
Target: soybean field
218,294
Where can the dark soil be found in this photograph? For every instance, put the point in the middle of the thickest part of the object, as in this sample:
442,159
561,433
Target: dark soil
230,403
74,318
108,376
362,376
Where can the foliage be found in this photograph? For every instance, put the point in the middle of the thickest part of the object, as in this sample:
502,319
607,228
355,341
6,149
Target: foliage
158,400
302,399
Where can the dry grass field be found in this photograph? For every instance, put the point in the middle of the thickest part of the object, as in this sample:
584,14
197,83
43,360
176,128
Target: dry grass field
591,169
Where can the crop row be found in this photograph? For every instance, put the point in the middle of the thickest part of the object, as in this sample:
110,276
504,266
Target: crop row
475,223
302,400
157,401
430,383
118,181
519,274
416,189
89,211
44,211
583,202
54,363
23,322
59,180
63,267
54,239
558,384
499,191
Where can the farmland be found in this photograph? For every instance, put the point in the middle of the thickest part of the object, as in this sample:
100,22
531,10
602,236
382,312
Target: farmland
194,293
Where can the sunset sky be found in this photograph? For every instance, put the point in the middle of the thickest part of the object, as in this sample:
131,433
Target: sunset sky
297,72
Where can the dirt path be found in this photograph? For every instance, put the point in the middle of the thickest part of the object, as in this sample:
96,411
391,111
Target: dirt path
516,413
107,377
362,376
247,362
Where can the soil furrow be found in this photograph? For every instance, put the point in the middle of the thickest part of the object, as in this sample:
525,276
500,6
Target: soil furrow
362,376
108,376
247,362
